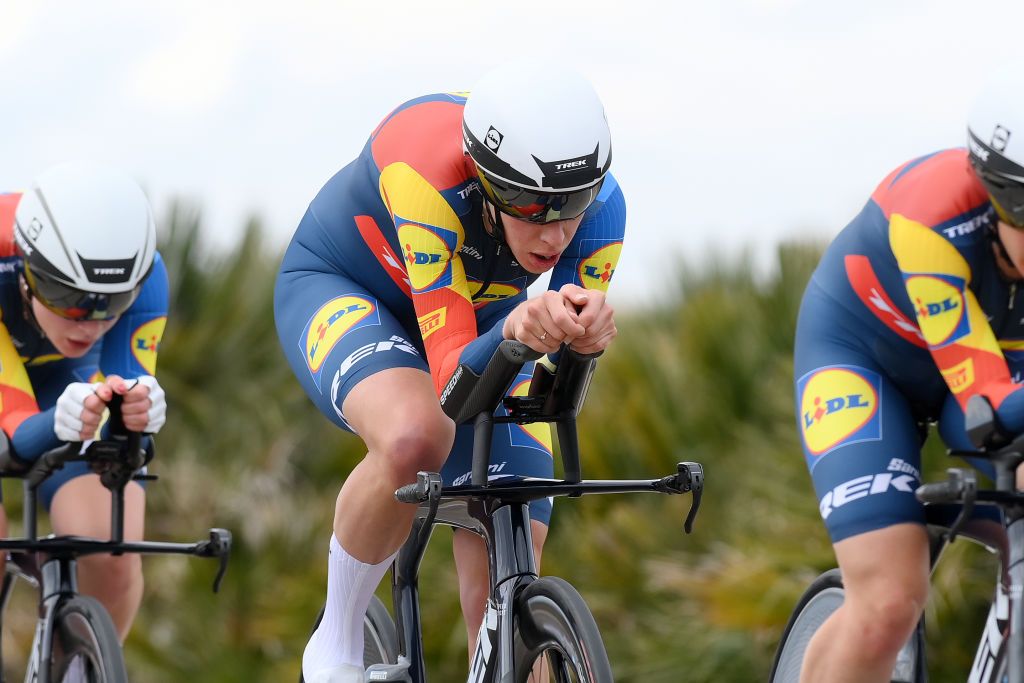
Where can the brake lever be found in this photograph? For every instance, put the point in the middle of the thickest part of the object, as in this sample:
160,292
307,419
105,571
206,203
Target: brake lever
218,546
969,483
695,474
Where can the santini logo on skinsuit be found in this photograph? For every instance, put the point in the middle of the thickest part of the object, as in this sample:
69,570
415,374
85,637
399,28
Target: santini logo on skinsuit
330,323
838,405
939,304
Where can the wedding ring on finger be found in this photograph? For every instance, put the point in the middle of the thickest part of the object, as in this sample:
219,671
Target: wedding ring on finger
543,336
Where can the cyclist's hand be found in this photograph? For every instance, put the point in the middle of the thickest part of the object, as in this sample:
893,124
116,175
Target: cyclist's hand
144,408
79,410
543,322
595,314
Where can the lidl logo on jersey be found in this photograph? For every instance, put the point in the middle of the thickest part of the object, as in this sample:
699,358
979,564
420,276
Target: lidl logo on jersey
596,270
146,342
839,405
330,323
496,291
427,252
940,306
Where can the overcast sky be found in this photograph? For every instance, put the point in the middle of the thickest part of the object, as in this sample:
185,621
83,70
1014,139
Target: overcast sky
735,122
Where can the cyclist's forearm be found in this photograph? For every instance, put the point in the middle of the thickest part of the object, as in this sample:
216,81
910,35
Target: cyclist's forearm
34,435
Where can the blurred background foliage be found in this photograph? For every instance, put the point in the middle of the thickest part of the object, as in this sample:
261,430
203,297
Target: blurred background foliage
705,374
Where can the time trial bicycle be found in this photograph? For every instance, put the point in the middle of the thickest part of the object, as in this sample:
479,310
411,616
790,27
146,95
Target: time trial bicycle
533,626
1000,654
74,634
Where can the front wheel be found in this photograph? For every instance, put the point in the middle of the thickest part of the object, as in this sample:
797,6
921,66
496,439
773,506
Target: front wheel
823,597
556,637
85,644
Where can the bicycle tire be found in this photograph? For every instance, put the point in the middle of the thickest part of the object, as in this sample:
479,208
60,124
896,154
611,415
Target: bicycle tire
554,625
380,637
83,632
819,601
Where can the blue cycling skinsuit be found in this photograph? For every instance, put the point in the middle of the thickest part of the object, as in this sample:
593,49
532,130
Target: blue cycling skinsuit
391,267
906,317
33,374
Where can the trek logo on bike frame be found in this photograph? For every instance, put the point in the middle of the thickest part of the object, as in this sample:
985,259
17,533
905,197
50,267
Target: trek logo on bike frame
484,644
862,487
992,639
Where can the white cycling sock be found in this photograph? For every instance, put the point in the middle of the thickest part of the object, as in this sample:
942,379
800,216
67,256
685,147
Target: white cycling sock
339,638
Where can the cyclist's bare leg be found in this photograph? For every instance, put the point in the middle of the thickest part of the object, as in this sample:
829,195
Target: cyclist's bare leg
885,576
81,507
397,414
472,566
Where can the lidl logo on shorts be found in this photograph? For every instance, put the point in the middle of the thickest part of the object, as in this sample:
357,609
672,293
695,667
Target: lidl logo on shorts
535,435
596,270
330,323
839,405
427,252
432,322
496,291
146,342
941,311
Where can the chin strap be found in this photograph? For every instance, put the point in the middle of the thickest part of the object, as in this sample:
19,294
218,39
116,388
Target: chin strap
26,305
492,218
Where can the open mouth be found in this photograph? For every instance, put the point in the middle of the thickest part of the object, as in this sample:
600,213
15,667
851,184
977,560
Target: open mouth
546,261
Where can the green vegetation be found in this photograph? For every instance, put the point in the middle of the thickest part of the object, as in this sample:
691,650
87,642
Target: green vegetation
706,375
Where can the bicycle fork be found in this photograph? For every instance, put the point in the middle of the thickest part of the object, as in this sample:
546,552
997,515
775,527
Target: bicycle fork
58,579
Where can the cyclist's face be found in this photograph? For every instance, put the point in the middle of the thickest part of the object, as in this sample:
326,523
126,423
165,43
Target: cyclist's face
537,246
72,338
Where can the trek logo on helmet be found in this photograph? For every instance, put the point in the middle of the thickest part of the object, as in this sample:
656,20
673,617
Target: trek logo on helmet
107,271
571,172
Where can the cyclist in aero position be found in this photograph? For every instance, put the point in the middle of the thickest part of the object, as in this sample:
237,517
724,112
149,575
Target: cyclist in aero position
913,309
83,300
415,258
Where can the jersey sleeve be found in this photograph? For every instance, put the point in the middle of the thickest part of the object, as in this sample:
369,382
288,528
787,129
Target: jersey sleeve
591,258
30,430
130,346
430,236
961,341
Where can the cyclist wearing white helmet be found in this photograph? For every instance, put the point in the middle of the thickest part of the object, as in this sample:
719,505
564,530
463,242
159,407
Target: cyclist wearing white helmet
913,310
415,258
83,297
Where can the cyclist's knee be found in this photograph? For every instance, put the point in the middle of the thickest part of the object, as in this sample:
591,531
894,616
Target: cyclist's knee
416,444
112,575
882,616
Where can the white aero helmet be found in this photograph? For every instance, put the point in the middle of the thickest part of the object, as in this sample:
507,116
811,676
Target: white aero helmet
87,237
540,142
995,142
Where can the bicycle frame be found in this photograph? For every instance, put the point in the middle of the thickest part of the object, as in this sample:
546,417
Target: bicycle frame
961,487
498,510
118,462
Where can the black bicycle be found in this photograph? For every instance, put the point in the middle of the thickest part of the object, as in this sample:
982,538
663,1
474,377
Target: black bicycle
1000,654
74,633
532,625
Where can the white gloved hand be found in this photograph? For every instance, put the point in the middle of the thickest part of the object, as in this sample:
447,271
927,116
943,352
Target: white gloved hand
158,409
67,417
